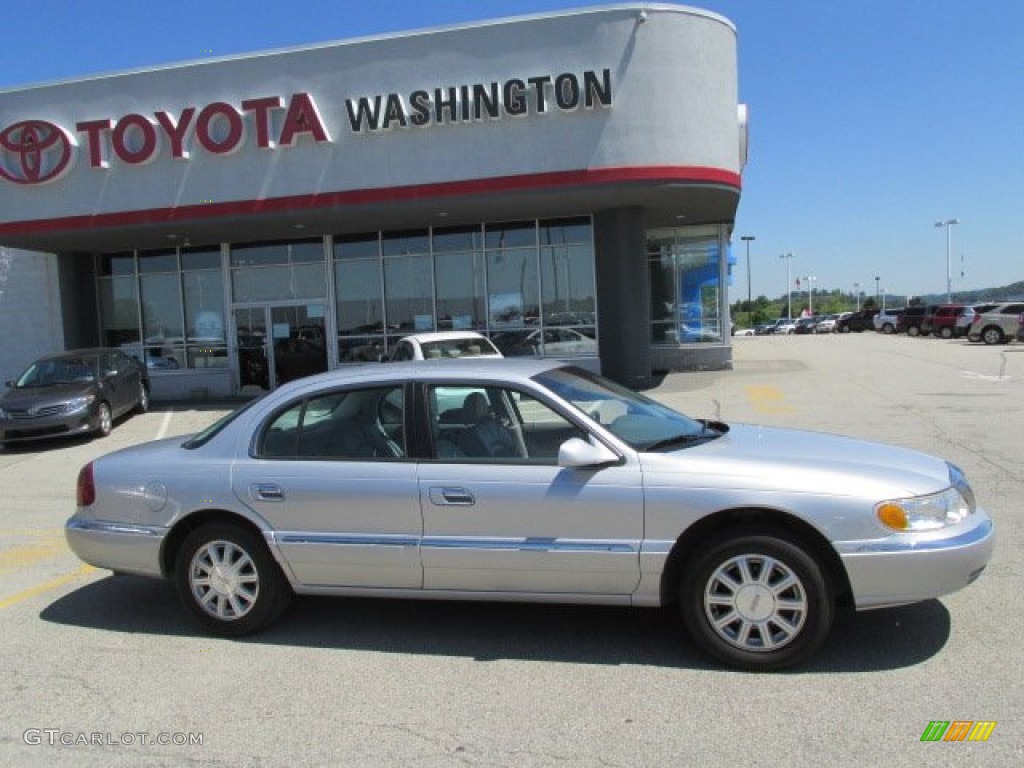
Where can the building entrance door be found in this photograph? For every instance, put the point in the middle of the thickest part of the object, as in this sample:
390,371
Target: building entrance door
279,343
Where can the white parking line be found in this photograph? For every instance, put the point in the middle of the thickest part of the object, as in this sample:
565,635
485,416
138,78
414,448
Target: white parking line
165,425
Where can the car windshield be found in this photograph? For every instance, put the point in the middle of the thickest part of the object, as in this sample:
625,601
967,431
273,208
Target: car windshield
53,372
644,424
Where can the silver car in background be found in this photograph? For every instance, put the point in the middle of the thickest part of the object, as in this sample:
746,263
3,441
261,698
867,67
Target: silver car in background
530,480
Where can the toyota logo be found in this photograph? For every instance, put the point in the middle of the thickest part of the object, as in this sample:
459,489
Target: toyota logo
34,152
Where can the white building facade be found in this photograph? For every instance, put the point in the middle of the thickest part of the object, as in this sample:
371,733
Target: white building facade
565,183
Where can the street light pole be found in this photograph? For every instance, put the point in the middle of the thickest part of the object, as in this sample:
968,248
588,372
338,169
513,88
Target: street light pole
750,310
856,290
948,224
789,284
877,291
810,294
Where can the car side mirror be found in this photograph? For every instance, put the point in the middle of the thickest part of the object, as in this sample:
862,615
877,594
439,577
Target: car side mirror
575,453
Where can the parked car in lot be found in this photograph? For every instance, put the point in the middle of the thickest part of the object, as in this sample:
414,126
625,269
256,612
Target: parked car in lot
912,320
443,344
998,325
826,324
530,480
885,321
857,322
72,393
963,323
1020,328
941,321
806,324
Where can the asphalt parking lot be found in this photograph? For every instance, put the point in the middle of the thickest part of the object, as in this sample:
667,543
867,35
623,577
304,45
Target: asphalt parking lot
103,671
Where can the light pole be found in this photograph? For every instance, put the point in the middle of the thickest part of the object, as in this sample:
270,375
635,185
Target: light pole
750,310
948,224
789,284
878,292
856,291
810,294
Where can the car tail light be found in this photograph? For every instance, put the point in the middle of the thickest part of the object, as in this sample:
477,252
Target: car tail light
85,493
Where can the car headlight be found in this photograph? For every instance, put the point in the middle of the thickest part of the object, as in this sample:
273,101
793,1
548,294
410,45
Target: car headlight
932,512
78,403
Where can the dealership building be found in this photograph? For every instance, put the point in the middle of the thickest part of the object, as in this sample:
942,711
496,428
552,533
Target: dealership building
564,183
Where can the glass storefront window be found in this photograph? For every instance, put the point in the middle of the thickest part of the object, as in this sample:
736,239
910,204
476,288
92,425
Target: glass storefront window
278,271
459,279
119,311
686,293
409,294
203,288
359,297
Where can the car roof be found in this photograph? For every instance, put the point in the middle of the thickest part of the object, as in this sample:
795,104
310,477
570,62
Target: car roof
85,351
464,367
443,336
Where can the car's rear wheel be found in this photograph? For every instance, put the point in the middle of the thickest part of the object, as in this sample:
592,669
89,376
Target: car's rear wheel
913,331
104,420
756,601
946,332
992,335
228,581
888,328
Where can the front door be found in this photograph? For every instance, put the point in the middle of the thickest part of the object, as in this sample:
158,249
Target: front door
500,515
279,343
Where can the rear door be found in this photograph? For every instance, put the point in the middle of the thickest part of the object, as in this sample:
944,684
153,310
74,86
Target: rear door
332,476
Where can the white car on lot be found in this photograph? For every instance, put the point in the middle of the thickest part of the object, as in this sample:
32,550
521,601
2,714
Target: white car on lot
443,344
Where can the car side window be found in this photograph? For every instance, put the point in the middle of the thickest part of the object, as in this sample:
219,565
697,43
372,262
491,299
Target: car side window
359,424
495,425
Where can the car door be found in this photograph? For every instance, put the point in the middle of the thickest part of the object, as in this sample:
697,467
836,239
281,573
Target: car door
520,523
113,384
331,476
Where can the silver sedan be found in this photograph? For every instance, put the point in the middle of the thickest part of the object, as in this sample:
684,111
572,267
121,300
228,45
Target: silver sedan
530,480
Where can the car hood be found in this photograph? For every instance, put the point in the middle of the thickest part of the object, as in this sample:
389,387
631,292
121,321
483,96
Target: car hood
27,397
790,460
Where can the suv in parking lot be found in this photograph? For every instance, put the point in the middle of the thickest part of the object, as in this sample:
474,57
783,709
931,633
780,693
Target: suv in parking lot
885,321
998,325
861,320
912,320
941,320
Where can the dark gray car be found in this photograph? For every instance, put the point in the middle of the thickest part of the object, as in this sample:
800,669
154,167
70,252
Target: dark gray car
72,393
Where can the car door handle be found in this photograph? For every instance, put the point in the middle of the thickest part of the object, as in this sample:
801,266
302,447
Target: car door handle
267,492
449,496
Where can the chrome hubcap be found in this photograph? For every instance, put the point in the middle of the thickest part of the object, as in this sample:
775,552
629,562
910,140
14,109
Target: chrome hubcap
224,580
755,602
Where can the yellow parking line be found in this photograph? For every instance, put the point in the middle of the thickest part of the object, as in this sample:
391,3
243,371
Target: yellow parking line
768,399
21,556
60,581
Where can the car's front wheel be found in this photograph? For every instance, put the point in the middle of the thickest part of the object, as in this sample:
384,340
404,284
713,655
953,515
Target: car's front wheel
142,404
228,581
104,420
756,601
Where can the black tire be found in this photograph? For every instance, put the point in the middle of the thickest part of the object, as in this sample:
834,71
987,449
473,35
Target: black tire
946,332
228,581
888,328
708,597
143,403
913,331
992,335
104,420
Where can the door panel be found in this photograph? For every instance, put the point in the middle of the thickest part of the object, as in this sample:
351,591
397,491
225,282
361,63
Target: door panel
520,523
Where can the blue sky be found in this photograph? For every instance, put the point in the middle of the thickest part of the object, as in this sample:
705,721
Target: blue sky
870,119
